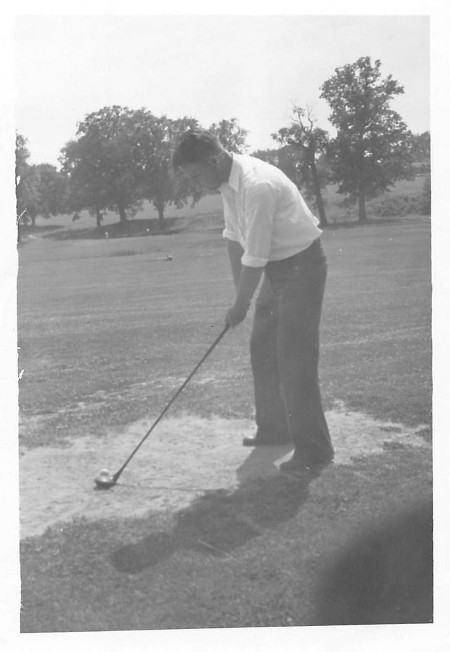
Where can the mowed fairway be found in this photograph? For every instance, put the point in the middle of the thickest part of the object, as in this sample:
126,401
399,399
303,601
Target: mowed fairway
109,328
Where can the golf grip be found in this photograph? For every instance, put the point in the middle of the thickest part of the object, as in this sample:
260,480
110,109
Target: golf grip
213,345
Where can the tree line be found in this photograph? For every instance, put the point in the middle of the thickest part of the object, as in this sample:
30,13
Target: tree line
120,157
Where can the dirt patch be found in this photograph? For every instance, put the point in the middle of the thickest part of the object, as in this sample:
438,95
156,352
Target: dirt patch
185,457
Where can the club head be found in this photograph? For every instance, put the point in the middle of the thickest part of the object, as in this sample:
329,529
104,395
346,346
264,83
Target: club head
105,480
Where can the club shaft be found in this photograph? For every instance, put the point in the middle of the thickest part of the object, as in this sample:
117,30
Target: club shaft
177,393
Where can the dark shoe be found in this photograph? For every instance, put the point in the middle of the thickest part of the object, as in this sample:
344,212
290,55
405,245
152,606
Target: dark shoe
300,464
262,439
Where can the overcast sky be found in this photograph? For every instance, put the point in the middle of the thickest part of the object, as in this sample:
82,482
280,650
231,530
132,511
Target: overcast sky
209,67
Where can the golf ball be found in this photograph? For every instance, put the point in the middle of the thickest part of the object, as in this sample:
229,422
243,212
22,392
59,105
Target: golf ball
105,473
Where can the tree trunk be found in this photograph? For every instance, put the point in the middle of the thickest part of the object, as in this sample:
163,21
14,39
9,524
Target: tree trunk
362,215
99,218
318,192
160,209
123,215
33,221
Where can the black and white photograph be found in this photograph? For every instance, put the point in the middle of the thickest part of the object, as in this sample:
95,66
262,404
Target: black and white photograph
220,300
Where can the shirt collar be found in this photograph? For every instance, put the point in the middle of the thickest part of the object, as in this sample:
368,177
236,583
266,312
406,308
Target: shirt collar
233,179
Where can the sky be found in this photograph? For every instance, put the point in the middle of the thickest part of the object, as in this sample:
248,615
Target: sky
251,67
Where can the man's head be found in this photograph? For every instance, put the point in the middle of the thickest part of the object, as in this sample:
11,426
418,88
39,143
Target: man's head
200,155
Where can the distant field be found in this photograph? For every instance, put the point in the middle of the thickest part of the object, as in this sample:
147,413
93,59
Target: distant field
209,204
406,194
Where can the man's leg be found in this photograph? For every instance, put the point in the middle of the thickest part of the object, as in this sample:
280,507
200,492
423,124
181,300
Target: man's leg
272,427
299,304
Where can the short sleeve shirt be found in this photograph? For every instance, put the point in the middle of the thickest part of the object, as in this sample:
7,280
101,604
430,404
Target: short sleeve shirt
265,212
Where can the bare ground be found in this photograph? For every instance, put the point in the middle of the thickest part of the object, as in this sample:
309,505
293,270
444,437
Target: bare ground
182,459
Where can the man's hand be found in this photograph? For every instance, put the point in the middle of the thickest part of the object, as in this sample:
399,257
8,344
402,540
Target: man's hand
249,278
236,314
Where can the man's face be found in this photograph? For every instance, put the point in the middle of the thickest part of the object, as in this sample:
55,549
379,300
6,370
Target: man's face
204,175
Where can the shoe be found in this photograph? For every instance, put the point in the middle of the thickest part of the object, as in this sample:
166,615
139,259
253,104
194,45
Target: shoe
265,440
299,464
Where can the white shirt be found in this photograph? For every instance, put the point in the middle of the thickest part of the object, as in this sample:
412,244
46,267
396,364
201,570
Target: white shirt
265,212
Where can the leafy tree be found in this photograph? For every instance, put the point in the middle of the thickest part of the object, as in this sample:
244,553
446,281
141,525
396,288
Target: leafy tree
81,163
27,191
52,190
420,152
159,185
121,158
22,156
101,166
40,189
311,142
231,135
371,149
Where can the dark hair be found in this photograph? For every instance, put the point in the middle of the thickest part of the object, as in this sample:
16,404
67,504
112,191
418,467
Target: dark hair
195,145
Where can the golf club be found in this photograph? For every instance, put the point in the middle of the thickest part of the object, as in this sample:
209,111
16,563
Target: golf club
105,479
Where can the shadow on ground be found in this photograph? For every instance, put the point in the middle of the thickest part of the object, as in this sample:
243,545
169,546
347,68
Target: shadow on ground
220,521
384,576
40,229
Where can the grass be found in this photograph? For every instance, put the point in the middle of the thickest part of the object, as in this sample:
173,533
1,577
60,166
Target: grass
98,318
97,324
246,559
404,198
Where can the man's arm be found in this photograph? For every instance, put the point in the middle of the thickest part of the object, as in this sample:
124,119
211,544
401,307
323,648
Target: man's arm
249,279
235,253
246,280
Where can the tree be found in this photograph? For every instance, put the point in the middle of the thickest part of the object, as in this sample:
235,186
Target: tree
101,164
121,158
52,190
420,152
159,185
371,150
81,163
231,135
40,189
27,191
311,143
22,156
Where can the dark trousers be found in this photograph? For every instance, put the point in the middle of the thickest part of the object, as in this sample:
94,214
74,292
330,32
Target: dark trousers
284,348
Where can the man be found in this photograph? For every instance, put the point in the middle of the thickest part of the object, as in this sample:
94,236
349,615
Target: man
271,234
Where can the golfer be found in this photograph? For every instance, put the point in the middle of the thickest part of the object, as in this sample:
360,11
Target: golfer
271,235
